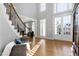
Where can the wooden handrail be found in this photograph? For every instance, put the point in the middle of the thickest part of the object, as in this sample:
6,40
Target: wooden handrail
11,5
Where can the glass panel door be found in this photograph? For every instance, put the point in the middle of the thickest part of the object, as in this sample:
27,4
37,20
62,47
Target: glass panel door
42,27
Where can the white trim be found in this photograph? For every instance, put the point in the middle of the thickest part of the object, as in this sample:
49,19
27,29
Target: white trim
43,37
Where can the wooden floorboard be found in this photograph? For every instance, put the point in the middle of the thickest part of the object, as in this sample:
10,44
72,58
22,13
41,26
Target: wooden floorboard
52,47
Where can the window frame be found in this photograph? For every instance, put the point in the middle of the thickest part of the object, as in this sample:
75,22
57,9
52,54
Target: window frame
42,7
42,33
61,16
55,8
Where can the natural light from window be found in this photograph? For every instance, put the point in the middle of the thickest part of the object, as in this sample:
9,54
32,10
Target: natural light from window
58,25
26,28
42,27
61,7
42,7
63,23
67,24
33,26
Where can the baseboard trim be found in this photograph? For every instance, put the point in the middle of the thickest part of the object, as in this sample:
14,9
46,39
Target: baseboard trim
39,37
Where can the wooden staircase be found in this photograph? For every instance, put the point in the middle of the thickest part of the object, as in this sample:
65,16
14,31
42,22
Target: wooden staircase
16,20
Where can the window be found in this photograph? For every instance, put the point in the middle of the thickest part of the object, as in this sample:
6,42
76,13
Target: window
34,27
58,25
26,28
63,23
42,27
42,7
66,24
61,7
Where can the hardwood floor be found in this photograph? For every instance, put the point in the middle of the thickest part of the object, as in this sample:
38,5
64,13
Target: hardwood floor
33,41
52,47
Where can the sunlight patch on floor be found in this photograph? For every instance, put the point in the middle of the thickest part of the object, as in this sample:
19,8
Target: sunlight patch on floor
34,49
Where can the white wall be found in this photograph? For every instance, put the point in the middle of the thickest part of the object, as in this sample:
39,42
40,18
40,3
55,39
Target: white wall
33,10
6,33
26,9
48,15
